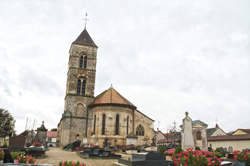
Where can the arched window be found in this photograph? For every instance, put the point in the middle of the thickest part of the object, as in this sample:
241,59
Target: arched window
117,118
103,124
140,130
85,62
127,123
94,123
78,87
83,87
198,135
81,62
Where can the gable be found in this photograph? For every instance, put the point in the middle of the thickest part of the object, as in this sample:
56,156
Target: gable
218,132
239,132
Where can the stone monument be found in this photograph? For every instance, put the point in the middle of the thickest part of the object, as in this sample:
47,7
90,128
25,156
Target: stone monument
187,139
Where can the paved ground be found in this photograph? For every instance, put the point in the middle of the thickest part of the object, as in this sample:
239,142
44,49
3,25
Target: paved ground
55,155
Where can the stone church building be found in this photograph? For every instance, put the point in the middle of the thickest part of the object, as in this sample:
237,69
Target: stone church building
108,118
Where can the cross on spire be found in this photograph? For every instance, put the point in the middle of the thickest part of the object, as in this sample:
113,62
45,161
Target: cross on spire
85,19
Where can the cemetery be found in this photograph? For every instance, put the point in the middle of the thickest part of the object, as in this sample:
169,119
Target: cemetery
30,148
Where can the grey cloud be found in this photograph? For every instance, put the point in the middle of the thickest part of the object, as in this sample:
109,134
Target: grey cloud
166,57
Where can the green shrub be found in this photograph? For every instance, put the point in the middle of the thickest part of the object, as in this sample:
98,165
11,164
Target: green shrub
5,144
178,150
197,148
161,148
16,154
220,152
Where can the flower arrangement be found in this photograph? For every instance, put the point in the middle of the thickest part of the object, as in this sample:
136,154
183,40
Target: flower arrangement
242,156
71,163
25,159
37,144
1,154
16,154
192,157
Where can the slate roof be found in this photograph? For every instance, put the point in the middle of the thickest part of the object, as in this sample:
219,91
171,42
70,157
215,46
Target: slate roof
210,131
111,96
198,121
85,39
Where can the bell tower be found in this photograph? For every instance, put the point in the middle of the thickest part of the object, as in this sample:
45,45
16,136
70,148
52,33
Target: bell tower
79,89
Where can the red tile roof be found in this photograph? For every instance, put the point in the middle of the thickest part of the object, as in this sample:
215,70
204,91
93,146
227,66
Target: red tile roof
51,133
229,137
111,96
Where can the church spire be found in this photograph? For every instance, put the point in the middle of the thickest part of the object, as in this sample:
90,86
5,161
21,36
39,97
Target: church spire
84,38
85,19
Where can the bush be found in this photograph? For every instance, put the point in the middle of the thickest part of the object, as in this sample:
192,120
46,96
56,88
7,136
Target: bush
178,150
1,154
197,148
5,144
220,152
26,159
196,158
242,156
16,154
161,148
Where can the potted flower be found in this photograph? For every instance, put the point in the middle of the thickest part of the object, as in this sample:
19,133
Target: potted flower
37,144
242,157
26,159
196,158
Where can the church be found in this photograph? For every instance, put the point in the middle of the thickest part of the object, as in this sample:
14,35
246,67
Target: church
109,118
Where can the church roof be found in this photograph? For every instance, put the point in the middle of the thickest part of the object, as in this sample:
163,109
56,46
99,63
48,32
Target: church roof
85,39
111,96
194,122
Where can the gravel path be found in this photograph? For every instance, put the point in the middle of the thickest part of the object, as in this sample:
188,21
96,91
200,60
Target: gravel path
55,155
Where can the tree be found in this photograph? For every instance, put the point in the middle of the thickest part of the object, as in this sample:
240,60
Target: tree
7,123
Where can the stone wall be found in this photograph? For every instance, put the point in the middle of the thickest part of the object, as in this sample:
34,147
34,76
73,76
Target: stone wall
110,112
74,118
236,144
148,125
123,112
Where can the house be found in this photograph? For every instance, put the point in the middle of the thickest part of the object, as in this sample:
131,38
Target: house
170,138
217,131
51,138
241,132
233,142
159,135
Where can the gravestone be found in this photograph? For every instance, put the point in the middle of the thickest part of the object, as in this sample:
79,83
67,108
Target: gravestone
131,140
17,143
146,159
187,139
41,135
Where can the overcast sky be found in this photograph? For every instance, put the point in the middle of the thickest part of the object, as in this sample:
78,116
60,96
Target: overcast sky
166,57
